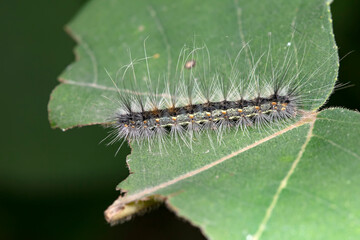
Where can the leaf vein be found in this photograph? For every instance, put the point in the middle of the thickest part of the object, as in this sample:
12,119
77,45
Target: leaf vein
334,120
160,28
106,88
338,146
240,29
283,184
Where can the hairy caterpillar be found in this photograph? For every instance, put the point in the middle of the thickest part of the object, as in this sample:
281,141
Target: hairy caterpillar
200,99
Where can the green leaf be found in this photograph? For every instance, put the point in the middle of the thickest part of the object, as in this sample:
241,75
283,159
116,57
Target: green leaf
299,183
294,180
107,32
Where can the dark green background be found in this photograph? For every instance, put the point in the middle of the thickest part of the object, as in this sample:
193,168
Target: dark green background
56,185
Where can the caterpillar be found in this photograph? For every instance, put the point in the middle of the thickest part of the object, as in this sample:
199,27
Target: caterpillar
256,96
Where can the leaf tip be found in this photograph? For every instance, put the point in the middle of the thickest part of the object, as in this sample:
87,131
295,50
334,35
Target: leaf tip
120,212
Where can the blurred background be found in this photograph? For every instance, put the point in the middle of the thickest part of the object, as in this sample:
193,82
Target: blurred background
56,185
